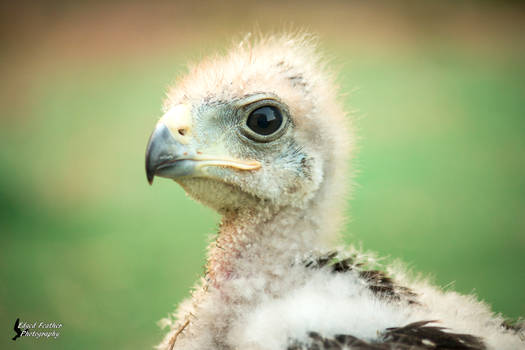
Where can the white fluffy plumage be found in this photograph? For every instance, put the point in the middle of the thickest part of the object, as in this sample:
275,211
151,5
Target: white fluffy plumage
270,281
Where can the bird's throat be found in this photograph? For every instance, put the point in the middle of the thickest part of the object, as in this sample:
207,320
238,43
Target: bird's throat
259,241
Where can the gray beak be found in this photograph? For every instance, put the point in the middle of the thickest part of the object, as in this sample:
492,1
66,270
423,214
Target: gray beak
166,156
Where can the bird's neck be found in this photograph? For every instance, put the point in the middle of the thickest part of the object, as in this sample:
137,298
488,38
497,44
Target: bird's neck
254,241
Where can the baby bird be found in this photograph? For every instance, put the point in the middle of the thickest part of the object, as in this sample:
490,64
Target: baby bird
260,136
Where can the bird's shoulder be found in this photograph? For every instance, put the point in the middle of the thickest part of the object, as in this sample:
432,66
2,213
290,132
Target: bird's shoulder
346,303
376,280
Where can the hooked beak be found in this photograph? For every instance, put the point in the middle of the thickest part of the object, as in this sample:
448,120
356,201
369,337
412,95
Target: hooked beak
175,156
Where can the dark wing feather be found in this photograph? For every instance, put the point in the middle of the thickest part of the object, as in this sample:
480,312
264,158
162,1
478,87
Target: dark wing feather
377,281
432,337
414,336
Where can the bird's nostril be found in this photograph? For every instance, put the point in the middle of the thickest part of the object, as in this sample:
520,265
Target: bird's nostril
182,131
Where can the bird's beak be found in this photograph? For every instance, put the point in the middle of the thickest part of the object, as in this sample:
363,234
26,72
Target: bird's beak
171,150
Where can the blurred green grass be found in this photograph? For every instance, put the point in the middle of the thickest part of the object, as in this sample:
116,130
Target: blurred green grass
86,242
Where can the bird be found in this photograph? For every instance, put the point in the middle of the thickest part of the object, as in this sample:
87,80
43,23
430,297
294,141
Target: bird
260,135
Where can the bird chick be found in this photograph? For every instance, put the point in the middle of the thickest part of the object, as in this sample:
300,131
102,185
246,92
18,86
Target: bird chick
260,136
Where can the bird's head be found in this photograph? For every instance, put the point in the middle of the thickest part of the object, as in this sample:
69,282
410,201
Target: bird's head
258,125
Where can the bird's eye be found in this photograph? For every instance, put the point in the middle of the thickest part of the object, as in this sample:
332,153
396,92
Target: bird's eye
265,120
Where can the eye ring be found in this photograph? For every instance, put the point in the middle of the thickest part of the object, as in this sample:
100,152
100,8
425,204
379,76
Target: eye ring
265,121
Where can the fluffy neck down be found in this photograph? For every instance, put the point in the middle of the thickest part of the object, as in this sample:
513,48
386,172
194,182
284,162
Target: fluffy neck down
266,239
262,241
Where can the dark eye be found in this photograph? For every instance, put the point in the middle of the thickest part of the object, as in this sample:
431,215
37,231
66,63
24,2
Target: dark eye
265,120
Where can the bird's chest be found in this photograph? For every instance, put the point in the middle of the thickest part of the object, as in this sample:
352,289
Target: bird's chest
258,313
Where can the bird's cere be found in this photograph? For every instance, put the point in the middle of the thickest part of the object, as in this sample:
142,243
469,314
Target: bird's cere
178,120
260,136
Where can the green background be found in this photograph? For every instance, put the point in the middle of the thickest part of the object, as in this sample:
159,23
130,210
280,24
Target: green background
437,91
